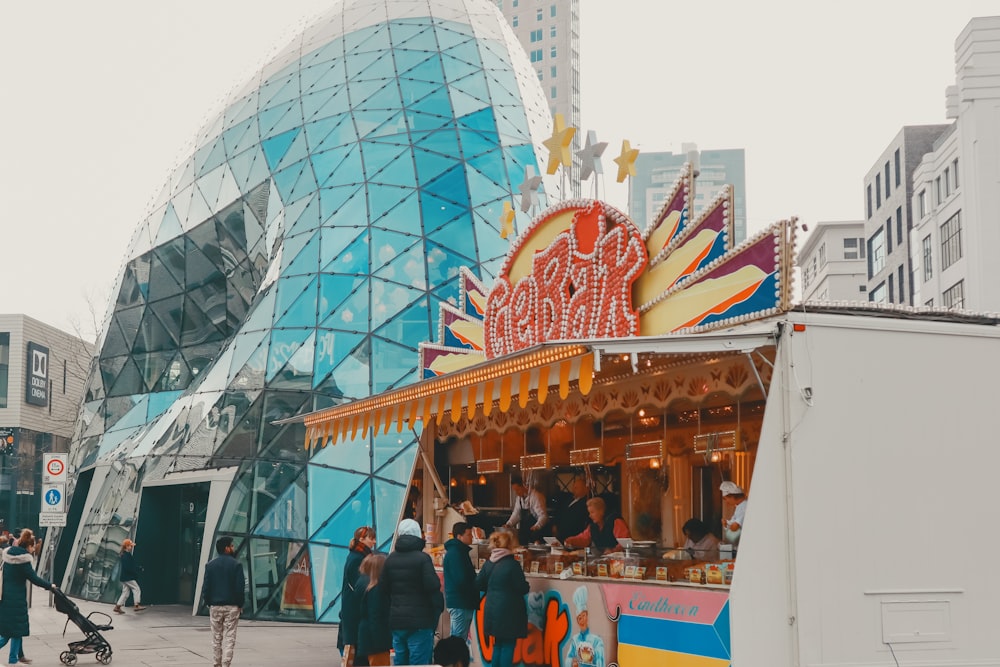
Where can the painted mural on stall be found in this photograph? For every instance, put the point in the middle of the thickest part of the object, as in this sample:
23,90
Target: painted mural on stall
573,623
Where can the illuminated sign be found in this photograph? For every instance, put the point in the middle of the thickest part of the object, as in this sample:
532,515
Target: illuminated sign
36,392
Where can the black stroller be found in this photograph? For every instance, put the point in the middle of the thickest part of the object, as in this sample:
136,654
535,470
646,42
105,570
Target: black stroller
93,642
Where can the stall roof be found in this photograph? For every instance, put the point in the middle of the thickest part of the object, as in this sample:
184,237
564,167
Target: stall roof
535,371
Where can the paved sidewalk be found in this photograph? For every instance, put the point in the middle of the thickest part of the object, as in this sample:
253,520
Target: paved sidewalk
169,635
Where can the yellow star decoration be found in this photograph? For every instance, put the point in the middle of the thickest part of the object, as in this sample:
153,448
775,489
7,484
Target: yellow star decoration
626,161
507,220
559,145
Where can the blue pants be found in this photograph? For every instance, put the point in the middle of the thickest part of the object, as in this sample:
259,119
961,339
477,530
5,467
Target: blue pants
15,648
503,652
413,647
461,619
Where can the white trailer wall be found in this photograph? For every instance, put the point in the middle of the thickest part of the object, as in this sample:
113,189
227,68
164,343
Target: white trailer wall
893,481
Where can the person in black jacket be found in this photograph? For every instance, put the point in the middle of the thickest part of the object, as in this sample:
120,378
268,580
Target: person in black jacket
360,546
129,574
461,596
224,591
415,600
374,636
17,572
505,615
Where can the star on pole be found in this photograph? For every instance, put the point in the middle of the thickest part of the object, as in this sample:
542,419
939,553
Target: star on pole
626,161
507,220
559,144
529,188
590,156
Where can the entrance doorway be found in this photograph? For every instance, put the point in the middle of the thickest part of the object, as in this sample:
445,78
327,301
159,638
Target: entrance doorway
168,541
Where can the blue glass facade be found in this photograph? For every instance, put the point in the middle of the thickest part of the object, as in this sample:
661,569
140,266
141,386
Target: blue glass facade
294,261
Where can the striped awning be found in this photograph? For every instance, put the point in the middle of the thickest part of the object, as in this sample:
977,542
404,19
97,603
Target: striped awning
494,385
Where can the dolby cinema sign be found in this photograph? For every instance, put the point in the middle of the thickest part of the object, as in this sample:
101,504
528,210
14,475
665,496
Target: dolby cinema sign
37,390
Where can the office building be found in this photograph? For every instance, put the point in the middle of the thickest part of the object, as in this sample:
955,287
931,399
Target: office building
657,171
832,262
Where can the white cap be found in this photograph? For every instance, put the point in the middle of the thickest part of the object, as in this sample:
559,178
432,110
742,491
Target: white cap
731,489
408,527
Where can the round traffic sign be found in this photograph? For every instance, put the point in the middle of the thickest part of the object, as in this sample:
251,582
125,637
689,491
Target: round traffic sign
52,497
55,467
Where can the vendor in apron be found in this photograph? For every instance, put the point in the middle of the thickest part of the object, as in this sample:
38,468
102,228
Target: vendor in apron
734,499
529,516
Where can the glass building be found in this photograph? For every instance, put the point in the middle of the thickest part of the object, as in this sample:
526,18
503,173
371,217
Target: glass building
294,261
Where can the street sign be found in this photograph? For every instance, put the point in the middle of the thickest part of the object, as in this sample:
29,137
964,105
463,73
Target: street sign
53,468
49,519
53,498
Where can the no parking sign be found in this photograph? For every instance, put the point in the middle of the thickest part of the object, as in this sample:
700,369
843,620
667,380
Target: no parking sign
54,469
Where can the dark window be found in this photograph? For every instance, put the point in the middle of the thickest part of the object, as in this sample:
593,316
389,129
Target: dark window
954,296
947,181
887,187
869,205
64,377
539,14
954,171
902,288
922,204
951,241
899,225
552,10
892,296
4,364
899,177
876,253
928,259
877,295
888,236
536,35
937,191
878,190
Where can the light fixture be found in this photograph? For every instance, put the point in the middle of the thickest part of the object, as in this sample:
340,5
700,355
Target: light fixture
454,482
654,463
482,480
716,457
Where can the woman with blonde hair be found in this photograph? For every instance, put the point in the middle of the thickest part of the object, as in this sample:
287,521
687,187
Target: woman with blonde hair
374,636
505,615
17,572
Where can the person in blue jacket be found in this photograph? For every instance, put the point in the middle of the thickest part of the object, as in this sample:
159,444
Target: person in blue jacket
461,597
129,575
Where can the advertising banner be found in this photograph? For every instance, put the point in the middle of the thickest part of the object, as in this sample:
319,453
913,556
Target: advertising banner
36,392
595,623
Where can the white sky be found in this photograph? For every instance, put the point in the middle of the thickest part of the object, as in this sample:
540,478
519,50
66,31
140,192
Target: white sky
100,100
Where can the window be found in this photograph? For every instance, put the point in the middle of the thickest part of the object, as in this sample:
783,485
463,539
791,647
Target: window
888,190
513,3
536,35
902,291
536,56
869,208
552,10
937,191
553,52
539,75
877,295
954,171
930,303
947,181
899,178
892,297
922,203
951,241
928,258
539,14
888,236
852,247
954,296
822,255
513,20
554,95
899,225
552,71
878,190
4,364
552,31
876,253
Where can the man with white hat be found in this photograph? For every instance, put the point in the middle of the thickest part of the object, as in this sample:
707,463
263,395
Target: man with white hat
585,648
734,498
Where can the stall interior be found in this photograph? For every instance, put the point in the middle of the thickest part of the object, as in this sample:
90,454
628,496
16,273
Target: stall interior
655,441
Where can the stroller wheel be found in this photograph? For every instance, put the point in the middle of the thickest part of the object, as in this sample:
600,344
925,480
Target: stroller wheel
104,656
67,658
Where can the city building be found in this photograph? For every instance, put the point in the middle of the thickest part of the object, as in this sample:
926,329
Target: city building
656,172
294,261
955,195
832,261
549,31
42,375
889,216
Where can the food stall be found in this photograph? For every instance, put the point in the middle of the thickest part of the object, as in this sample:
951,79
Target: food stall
570,366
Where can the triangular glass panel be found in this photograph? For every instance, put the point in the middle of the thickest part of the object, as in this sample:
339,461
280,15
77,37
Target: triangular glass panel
332,73
442,264
129,320
170,313
337,166
241,136
352,376
354,510
329,491
459,236
303,311
290,288
319,130
351,314
387,246
431,164
424,40
333,240
114,341
436,212
249,168
428,69
284,343
351,260
437,103
456,69
304,186
279,91
464,103
199,212
394,365
152,367
153,336
394,455
477,143
411,326
389,299
443,142
382,198
389,500
198,326
200,269
209,156
413,90
286,518
128,382
353,213
332,347
328,573
358,63
170,226
276,147
300,254
482,121
297,372
483,190
398,172
334,289
286,179
162,282
403,216
244,345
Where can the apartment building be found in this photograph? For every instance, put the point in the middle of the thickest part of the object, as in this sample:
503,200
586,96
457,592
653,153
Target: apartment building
833,262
